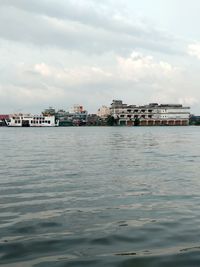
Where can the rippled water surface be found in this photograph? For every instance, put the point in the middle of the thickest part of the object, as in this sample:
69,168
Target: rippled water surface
100,196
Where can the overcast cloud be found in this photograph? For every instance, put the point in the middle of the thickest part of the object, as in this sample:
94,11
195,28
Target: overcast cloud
60,53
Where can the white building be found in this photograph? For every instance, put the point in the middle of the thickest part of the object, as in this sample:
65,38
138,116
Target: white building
77,109
103,112
151,114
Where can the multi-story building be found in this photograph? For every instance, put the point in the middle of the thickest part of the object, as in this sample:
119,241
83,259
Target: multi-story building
77,109
103,112
77,116
150,115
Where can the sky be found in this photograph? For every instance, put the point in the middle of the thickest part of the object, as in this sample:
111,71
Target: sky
64,52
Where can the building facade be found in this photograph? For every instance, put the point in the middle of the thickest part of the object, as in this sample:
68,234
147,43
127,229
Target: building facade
103,112
150,115
77,116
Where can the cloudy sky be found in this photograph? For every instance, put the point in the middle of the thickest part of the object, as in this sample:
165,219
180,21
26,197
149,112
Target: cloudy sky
64,52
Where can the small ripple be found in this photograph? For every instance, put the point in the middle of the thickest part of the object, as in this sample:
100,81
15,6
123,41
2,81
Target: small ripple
16,251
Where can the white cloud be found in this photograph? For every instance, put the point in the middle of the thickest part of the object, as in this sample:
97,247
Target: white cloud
43,69
188,100
140,67
70,76
194,50
135,68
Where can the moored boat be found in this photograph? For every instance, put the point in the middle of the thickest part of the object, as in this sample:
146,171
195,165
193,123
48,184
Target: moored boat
28,120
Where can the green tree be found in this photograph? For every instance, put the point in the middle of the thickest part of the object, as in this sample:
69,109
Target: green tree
137,122
110,120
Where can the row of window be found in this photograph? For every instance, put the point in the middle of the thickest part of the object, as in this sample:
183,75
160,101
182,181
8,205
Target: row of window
138,110
147,116
150,117
34,122
136,116
150,110
41,121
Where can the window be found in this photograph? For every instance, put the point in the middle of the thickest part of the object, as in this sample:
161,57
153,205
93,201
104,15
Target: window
49,122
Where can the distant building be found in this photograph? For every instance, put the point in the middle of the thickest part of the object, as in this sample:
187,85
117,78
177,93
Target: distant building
103,112
95,120
77,109
76,117
79,115
150,115
64,118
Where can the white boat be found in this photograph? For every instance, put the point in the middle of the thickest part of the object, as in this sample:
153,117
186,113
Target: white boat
28,120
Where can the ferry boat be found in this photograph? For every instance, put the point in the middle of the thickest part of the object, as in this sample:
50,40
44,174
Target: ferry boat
28,120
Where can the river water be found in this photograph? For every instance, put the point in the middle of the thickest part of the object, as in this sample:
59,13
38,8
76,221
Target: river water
100,196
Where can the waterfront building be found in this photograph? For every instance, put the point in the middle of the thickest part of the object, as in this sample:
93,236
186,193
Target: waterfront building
103,112
94,120
76,117
153,114
77,109
79,115
64,118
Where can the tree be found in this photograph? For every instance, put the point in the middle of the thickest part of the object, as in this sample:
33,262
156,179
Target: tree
110,121
137,122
